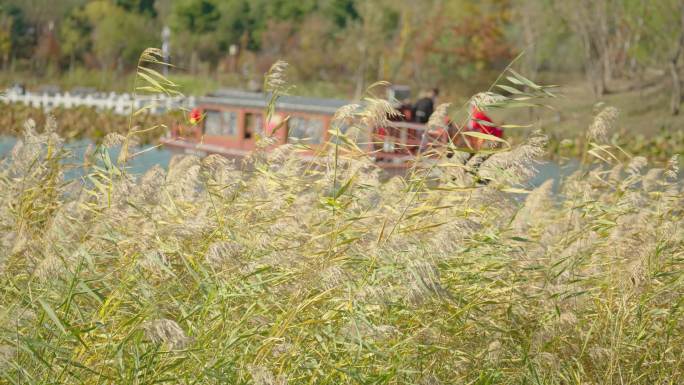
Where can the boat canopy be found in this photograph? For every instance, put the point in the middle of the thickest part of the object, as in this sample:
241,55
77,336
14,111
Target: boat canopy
249,99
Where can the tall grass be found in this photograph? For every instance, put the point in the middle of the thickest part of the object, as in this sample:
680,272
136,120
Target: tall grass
318,272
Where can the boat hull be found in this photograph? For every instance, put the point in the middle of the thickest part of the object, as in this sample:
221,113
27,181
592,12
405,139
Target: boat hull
205,149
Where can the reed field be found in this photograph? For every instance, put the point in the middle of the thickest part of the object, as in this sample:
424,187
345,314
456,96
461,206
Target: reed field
277,269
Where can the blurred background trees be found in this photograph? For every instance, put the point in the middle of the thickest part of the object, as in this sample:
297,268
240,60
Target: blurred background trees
614,44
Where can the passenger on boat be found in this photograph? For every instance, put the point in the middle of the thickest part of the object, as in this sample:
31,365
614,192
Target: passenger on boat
406,111
425,106
480,122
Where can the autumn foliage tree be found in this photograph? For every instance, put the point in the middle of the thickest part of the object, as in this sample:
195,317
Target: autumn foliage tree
351,43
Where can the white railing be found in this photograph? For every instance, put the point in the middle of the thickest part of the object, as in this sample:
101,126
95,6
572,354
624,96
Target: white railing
119,103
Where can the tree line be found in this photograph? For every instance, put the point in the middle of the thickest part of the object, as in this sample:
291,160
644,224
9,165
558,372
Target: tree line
427,43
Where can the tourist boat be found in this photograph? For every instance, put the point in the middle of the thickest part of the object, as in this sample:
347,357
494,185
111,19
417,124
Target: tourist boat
232,121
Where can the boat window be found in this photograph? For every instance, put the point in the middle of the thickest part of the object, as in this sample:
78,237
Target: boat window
220,123
230,124
212,122
253,124
305,130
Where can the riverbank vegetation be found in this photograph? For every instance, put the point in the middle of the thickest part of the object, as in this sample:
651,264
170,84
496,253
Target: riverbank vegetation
87,123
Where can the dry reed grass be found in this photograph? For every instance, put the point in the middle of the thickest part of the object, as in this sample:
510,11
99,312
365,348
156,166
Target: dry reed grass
206,274
318,272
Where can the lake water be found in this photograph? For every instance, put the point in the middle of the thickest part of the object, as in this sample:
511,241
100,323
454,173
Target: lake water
162,156
137,165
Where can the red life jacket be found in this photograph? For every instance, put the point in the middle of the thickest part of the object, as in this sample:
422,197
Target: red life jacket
381,132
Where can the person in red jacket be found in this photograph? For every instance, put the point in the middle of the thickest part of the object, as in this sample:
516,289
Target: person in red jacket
480,122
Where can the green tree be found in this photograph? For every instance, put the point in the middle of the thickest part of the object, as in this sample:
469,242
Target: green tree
197,16
340,12
233,23
195,25
6,22
118,36
262,13
139,6
659,41
21,41
74,36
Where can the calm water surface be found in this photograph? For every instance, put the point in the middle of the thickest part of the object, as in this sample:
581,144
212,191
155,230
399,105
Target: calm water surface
162,156
137,165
